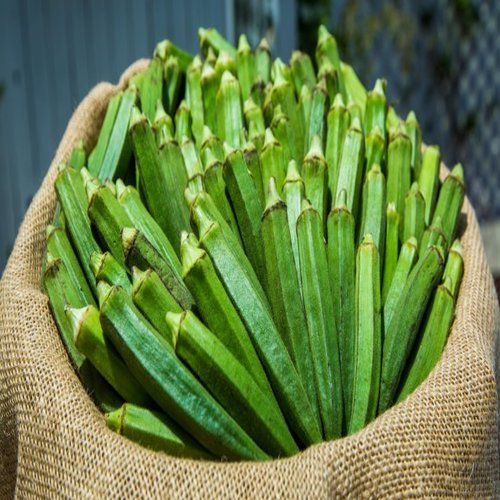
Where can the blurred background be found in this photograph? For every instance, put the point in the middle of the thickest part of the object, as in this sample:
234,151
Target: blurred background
440,57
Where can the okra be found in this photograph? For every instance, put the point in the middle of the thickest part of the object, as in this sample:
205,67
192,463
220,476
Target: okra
283,288
282,130
355,111
210,37
368,342
252,160
433,235
392,120
398,170
314,173
97,155
263,61
183,122
414,214
319,106
213,142
195,99
78,158
153,299
166,48
154,364
118,150
328,74
163,126
217,310
374,148
428,180
376,109
249,299
162,174
391,253
337,123
229,112
106,268
341,271
152,88
73,199
407,259
173,75
327,47
139,252
246,204
59,246
280,71
433,340
415,134
193,166
354,89
302,70
293,194
209,86
454,268
449,203
258,92
405,322
272,160
254,119
154,430
350,168
304,105
224,63
231,384
320,317
373,211
245,64
91,342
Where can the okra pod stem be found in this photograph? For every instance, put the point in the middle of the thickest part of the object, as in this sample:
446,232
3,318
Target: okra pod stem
263,61
433,235
210,37
354,89
254,119
193,166
183,122
282,130
327,47
454,268
106,268
428,180
302,70
376,109
328,74
78,158
415,134
414,214
375,148
212,142
245,66
314,173
272,160
166,48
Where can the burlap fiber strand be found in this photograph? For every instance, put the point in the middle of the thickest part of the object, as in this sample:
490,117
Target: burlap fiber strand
441,441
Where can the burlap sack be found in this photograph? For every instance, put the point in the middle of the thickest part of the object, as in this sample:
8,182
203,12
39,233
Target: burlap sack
441,441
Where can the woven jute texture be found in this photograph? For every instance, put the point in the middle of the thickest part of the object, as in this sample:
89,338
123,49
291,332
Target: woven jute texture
54,442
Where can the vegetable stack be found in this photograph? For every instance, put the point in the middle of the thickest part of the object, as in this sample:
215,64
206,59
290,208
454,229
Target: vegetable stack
254,257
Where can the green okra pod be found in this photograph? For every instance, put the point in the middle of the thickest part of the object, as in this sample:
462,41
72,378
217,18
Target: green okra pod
450,201
321,327
192,162
229,112
195,98
354,89
319,107
304,105
106,268
337,123
415,134
293,194
130,199
279,70
350,168
118,150
245,66
327,47
433,235
314,173
140,253
302,70
154,430
374,148
225,62
163,126
252,160
282,130
414,214
246,204
97,155
376,109
407,259
209,87
249,299
258,92
454,268
152,88
398,170
368,341
212,142
283,288
78,158
263,61
355,111
431,345
272,160
405,322
59,246
428,180
373,209
391,252
341,271
162,173
91,342
183,122
155,365
217,310
166,48
328,74
153,299
392,120
173,75
73,199
231,384
254,120
211,38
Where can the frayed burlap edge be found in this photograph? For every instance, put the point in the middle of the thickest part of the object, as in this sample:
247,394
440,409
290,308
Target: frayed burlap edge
53,441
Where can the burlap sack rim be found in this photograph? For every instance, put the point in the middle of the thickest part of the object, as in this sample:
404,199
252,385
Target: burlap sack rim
318,462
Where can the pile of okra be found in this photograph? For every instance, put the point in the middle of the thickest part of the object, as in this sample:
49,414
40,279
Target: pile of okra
255,256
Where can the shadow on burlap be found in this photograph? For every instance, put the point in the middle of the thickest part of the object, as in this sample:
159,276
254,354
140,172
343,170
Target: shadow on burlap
54,442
